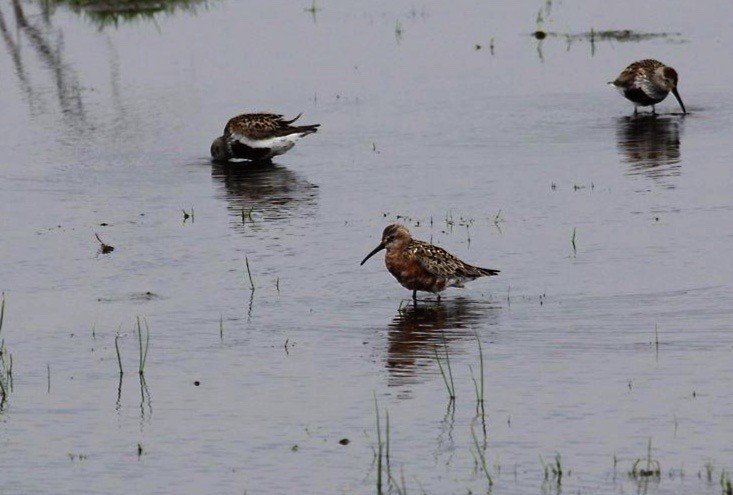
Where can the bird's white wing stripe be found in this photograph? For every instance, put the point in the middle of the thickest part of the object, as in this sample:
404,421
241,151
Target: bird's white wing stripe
283,143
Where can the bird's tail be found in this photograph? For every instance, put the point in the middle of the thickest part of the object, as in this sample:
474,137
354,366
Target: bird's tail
293,119
487,271
304,130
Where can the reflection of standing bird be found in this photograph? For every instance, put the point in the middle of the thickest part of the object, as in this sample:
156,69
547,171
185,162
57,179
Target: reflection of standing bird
650,145
420,266
647,82
416,330
258,136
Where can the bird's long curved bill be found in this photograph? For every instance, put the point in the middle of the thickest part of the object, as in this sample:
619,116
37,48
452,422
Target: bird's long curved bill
677,95
375,251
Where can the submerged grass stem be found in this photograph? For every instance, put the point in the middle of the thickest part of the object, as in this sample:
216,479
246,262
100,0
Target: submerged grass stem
143,349
447,378
249,274
481,457
117,348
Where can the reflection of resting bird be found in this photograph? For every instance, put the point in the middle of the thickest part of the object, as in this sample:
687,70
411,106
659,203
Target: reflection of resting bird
647,82
420,266
258,136
274,192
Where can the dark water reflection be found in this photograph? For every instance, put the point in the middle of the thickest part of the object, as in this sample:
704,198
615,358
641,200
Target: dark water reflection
264,192
114,12
46,42
415,332
650,144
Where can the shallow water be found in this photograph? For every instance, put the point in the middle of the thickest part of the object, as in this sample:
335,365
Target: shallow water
589,352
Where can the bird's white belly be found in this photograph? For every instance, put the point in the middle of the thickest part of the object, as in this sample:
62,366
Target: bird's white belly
276,145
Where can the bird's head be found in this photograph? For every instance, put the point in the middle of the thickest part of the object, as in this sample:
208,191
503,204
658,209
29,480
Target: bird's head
669,79
394,236
219,150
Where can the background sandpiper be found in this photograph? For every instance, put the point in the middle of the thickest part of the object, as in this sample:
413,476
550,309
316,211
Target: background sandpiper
647,82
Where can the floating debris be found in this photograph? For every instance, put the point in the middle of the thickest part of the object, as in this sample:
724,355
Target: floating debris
103,248
541,34
620,35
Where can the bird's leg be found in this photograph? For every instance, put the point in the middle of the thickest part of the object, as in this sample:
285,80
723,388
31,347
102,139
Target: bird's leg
438,297
636,109
414,297
654,110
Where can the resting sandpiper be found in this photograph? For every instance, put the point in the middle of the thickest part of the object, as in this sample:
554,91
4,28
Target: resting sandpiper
258,136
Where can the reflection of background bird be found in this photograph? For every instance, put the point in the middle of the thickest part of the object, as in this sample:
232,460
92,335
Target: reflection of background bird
650,144
416,330
104,14
270,192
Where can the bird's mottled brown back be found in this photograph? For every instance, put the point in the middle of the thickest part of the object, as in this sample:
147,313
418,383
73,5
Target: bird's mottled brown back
644,68
264,126
254,125
441,263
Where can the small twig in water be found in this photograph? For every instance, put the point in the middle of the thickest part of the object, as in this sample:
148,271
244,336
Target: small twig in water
103,248
117,348
249,274
575,251
480,397
186,216
143,351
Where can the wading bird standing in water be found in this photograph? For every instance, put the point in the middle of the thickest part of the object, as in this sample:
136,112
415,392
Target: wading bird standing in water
647,82
420,266
258,137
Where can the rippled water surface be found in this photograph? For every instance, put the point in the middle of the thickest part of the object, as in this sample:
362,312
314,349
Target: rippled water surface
607,332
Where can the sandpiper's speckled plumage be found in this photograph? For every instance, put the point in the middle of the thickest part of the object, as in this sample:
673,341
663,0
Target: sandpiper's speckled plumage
647,82
420,266
258,136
